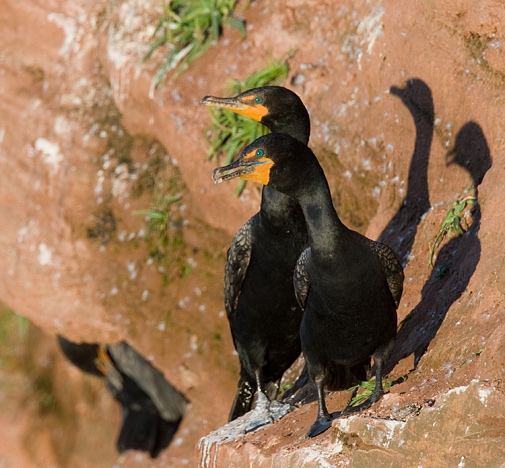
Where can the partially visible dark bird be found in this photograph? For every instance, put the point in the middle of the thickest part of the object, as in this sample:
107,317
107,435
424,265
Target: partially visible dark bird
348,285
152,408
259,295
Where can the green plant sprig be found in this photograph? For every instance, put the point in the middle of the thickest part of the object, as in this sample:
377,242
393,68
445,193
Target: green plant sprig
367,386
163,234
189,28
454,222
476,354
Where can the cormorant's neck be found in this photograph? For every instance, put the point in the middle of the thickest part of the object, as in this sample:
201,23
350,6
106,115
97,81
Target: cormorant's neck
280,212
297,126
323,224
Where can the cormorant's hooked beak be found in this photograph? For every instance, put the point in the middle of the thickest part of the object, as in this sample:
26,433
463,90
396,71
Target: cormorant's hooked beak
223,103
248,166
236,169
243,107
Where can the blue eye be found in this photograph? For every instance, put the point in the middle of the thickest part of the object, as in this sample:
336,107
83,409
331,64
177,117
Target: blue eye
260,153
257,100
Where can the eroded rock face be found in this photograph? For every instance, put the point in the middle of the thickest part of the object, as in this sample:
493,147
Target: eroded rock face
406,109
463,425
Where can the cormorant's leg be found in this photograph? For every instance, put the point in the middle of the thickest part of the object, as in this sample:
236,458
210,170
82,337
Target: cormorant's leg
266,411
324,419
262,401
376,395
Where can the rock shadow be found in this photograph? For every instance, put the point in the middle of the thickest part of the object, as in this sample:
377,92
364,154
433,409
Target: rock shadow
456,261
400,232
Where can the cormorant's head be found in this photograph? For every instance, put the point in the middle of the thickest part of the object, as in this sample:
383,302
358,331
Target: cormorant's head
276,107
82,355
276,159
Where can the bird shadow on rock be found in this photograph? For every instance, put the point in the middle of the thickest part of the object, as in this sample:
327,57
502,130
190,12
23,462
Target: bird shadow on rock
456,261
401,230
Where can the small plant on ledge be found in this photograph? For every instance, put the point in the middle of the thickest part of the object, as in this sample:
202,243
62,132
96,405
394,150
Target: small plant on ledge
188,28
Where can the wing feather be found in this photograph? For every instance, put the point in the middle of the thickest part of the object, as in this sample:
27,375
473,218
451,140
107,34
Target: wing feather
301,279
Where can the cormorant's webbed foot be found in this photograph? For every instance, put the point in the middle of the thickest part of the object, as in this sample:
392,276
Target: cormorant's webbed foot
321,424
265,412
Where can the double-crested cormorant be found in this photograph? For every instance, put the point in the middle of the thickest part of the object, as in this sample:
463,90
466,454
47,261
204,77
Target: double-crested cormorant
152,409
259,295
276,107
348,285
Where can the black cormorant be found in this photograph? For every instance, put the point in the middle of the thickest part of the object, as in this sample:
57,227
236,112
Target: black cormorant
152,409
348,285
259,295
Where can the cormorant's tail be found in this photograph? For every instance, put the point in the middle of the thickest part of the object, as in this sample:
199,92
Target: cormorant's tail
145,431
166,432
139,431
243,399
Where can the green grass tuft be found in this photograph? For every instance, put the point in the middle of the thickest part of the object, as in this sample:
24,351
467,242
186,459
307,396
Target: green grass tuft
188,28
163,234
367,387
476,354
454,222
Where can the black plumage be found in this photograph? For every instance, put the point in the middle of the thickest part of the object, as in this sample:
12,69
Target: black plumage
348,285
152,408
259,295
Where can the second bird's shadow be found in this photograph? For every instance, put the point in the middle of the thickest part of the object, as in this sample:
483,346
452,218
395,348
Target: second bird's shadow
456,261
401,230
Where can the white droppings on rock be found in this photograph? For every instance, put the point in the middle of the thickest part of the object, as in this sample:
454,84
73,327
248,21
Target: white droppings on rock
51,155
484,394
131,269
45,256
343,424
458,390
71,31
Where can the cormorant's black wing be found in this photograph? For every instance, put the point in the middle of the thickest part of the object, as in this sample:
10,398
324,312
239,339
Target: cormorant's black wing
152,407
301,279
239,255
169,402
392,267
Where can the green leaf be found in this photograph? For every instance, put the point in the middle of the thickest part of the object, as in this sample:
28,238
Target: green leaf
151,214
239,25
